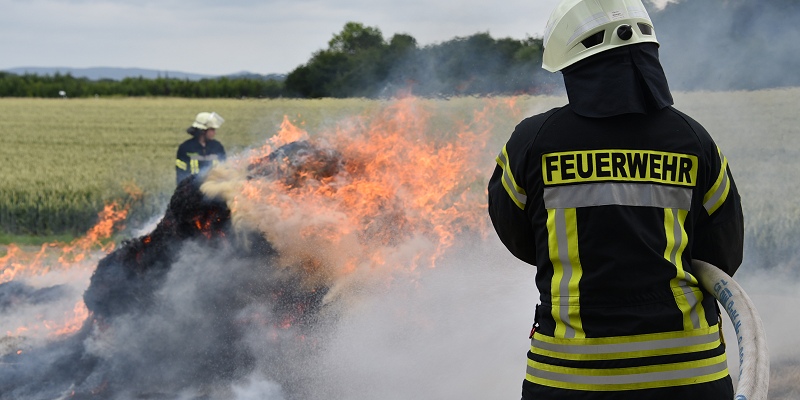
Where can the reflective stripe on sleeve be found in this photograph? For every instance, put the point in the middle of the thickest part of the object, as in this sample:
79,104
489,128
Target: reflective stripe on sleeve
516,193
180,164
716,196
195,165
614,193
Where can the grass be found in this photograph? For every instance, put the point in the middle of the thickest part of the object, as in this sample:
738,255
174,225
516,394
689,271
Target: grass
31,240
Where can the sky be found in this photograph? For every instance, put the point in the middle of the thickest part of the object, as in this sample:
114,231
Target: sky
224,37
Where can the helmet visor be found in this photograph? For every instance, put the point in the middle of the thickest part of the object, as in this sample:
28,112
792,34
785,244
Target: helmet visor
214,121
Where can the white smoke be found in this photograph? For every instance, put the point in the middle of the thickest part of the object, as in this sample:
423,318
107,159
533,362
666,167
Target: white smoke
661,4
460,331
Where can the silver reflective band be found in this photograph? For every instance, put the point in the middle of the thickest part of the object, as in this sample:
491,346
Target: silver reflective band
210,157
636,12
628,378
521,198
590,23
567,271
627,347
508,181
709,205
620,194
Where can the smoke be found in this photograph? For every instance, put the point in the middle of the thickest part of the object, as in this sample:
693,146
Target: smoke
729,44
755,131
661,4
460,331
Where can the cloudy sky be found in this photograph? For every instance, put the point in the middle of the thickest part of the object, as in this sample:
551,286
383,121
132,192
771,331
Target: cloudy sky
222,37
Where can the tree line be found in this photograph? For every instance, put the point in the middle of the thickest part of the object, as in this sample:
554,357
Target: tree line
359,62
30,85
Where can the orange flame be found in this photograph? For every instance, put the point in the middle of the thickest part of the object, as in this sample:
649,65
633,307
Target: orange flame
18,263
288,133
405,192
69,324
60,256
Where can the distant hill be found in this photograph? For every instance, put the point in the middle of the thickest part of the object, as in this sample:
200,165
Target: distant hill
118,74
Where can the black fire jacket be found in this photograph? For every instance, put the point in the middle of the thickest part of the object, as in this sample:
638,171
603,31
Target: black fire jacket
194,158
612,211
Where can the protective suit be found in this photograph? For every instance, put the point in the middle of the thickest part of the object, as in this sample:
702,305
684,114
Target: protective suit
201,152
611,197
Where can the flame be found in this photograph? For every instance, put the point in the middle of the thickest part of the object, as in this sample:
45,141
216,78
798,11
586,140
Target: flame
287,133
75,255
404,192
18,263
71,323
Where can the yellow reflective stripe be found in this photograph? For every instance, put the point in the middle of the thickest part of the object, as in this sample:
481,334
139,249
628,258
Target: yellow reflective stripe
631,378
715,197
684,286
516,193
180,164
625,347
562,238
195,164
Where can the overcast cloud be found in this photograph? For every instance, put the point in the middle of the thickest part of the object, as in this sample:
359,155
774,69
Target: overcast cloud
223,37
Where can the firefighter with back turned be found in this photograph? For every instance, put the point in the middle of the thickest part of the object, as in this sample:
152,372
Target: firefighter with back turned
611,196
201,152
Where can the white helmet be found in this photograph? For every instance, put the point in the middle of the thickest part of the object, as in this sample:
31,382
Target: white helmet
208,120
578,29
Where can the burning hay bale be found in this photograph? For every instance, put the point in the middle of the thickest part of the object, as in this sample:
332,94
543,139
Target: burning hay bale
126,277
252,263
195,259
296,162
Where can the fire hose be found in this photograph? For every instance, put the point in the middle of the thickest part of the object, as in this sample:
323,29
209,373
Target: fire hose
753,381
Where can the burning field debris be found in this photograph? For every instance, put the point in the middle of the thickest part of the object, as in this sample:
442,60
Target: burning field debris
237,288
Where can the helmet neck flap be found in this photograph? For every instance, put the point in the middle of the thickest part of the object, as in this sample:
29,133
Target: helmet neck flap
623,80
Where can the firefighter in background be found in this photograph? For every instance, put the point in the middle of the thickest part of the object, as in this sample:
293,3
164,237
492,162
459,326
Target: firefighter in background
611,197
201,152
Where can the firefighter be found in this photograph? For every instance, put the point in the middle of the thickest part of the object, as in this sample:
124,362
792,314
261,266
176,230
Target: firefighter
611,196
201,152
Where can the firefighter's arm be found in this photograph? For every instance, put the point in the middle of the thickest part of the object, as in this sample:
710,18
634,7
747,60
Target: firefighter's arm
222,152
181,165
719,234
508,200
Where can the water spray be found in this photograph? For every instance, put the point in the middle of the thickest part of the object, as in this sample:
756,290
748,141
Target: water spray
750,336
